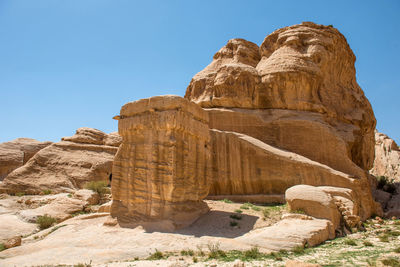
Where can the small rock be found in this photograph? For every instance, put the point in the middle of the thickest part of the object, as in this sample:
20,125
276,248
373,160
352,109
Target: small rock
13,242
28,202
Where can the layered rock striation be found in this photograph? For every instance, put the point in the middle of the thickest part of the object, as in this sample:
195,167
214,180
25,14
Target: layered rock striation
296,92
161,172
67,165
307,69
16,153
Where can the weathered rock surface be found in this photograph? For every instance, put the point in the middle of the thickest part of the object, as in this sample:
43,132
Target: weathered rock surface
161,170
13,242
243,165
16,153
306,67
291,232
65,166
387,157
314,202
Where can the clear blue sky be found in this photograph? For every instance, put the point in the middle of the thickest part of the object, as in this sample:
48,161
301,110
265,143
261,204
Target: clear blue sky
69,64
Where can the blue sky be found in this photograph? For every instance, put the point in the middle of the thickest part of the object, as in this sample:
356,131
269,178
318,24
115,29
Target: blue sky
69,64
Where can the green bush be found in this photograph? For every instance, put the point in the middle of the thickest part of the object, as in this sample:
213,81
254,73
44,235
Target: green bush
236,217
233,223
158,255
386,184
20,194
238,211
45,221
350,242
2,247
298,250
188,252
368,244
226,200
46,192
252,253
98,186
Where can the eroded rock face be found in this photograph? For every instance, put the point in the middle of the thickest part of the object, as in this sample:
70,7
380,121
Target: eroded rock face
161,171
16,153
65,166
307,68
387,157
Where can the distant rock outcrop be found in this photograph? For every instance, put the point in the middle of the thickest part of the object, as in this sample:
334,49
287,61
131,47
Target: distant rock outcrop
161,170
66,165
16,153
387,157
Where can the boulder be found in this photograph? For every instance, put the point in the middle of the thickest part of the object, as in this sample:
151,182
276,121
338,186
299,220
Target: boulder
88,196
161,171
13,242
65,166
314,202
16,153
387,157
294,263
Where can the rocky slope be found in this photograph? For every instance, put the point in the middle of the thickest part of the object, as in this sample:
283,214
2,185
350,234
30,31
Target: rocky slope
67,165
16,153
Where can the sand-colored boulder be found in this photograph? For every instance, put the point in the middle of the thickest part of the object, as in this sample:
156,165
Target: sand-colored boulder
243,166
60,207
161,171
64,166
16,153
314,202
290,233
387,157
305,67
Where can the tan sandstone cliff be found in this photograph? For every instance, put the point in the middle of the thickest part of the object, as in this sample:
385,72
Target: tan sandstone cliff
161,172
296,92
66,165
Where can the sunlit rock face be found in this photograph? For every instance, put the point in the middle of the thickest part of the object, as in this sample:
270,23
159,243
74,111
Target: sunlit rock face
161,171
307,69
296,92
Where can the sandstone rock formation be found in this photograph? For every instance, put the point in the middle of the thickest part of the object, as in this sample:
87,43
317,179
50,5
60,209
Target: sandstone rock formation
161,170
296,92
306,68
387,157
66,165
16,153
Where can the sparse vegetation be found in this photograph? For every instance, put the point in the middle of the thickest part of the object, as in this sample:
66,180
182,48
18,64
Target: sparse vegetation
98,186
391,262
350,242
225,200
83,264
233,223
46,192
397,250
195,259
266,213
157,255
368,244
188,252
214,251
238,211
2,247
20,194
236,217
252,253
298,211
298,250
386,184
45,221
384,238
69,195
255,208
